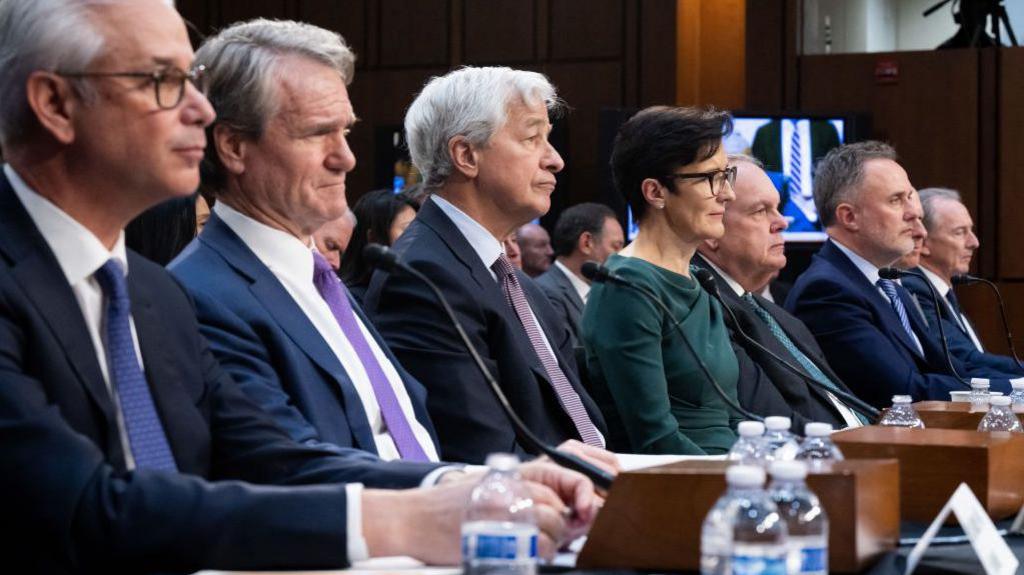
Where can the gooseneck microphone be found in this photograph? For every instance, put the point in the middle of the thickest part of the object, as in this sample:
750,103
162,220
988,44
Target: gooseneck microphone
707,281
967,279
894,274
385,259
596,272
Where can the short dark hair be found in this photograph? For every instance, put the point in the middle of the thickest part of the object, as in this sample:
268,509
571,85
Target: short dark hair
841,171
660,138
588,217
375,212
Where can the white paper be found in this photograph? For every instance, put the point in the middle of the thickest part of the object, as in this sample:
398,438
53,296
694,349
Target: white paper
634,461
995,555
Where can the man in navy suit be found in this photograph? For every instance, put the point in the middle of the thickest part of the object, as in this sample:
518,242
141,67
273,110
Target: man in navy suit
479,136
866,325
253,272
947,252
127,448
584,232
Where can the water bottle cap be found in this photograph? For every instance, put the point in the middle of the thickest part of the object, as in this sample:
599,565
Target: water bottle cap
789,470
1017,383
744,476
818,429
502,461
901,399
750,429
1000,400
777,423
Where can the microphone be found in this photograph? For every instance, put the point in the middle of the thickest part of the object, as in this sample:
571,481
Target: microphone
382,257
596,272
707,281
966,280
891,273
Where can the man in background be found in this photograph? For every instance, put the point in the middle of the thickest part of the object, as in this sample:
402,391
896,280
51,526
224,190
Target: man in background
332,238
535,246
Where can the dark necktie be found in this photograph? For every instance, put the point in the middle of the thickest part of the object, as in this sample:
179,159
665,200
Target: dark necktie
809,366
146,436
961,320
795,162
336,296
567,396
889,289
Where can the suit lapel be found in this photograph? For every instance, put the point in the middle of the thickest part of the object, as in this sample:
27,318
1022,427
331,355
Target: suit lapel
273,296
570,291
35,269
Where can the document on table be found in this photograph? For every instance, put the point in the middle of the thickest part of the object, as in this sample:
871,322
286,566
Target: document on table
634,461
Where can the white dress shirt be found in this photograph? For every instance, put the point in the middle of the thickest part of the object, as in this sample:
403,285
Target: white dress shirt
870,271
943,288
291,262
849,417
582,287
80,254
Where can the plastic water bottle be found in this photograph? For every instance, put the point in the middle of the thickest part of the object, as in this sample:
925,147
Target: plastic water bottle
806,521
728,528
759,543
1000,416
979,391
818,447
782,445
750,448
901,414
1017,395
499,530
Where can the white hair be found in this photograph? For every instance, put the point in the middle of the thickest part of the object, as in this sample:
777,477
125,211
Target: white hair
243,63
469,102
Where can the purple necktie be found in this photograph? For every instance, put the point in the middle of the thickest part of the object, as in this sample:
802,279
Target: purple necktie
336,296
567,396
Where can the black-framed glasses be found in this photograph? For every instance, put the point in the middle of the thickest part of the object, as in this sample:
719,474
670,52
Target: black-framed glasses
716,179
168,83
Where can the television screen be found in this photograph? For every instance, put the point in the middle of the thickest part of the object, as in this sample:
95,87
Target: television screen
790,148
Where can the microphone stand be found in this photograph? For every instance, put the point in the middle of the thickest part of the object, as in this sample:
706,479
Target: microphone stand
891,273
596,272
967,279
381,256
707,281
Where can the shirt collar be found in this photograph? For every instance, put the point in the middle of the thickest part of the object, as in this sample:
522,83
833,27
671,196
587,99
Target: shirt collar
735,285
940,284
280,251
582,288
78,251
867,268
486,246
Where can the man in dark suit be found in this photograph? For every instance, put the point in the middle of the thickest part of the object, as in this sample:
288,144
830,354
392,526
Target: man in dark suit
127,448
584,232
865,324
487,181
746,257
276,317
947,252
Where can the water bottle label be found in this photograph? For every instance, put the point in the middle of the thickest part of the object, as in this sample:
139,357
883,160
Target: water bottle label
758,565
506,546
813,560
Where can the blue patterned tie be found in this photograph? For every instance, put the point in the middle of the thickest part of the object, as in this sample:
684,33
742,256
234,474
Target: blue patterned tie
889,289
795,162
809,366
145,432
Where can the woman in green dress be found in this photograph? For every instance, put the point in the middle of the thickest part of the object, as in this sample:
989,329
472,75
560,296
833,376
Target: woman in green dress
670,166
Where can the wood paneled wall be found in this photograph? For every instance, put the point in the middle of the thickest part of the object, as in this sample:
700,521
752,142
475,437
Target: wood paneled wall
953,117
599,53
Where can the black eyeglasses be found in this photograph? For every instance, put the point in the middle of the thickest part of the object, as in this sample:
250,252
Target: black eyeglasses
716,179
168,83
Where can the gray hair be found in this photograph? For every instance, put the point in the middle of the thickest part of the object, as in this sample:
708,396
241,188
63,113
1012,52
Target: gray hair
928,198
243,62
469,102
736,158
841,171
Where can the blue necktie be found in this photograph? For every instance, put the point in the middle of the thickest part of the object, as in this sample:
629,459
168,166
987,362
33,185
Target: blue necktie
889,289
145,432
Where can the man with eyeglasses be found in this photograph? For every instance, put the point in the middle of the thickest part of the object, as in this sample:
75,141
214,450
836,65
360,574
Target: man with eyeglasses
866,324
127,448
